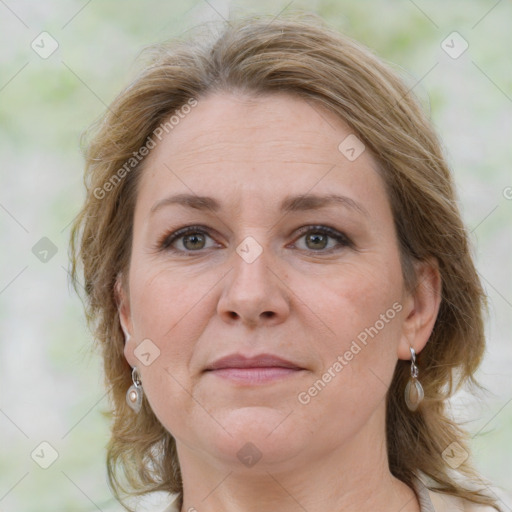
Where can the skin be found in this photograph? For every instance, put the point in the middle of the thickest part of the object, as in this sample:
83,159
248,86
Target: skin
298,299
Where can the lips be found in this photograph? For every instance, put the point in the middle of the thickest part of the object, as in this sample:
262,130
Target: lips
259,361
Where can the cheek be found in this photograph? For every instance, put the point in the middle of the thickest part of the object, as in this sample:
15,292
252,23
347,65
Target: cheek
362,309
162,305
163,299
168,319
355,298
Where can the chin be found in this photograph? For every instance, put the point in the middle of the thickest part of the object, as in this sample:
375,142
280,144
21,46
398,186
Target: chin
256,437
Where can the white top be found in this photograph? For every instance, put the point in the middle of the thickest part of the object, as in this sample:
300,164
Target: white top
430,501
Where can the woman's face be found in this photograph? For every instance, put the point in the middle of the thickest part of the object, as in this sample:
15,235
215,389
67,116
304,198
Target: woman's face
317,282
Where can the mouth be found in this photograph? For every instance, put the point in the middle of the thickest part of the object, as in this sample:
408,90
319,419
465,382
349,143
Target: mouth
260,369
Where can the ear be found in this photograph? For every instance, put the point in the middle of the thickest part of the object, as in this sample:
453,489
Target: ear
123,308
421,307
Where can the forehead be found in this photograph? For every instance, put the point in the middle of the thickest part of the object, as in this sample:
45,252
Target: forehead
236,123
262,145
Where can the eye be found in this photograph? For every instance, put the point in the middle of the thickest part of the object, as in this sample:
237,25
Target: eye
191,239
194,239
317,238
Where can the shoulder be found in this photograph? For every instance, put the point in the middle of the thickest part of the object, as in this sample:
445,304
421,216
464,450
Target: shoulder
441,503
447,503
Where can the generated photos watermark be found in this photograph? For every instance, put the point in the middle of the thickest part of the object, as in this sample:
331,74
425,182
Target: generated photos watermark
138,156
362,339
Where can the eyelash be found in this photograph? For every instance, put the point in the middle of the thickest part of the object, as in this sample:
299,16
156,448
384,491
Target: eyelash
166,241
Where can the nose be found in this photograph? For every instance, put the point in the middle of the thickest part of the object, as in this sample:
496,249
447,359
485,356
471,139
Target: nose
255,292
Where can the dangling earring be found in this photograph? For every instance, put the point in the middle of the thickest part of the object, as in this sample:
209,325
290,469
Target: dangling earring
134,393
414,390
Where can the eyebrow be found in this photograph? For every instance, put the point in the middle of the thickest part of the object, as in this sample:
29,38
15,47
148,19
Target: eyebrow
289,204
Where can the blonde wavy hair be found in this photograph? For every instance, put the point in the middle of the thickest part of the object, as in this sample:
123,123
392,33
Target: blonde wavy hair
299,55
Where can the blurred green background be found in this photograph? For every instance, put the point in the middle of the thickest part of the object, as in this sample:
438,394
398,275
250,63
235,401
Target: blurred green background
50,381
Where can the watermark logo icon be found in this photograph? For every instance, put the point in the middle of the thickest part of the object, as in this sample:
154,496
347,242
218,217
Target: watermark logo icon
44,455
44,45
249,455
351,147
454,45
249,249
44,250
146,352
454,455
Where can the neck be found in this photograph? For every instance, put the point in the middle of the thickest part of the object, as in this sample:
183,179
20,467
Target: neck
353,477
